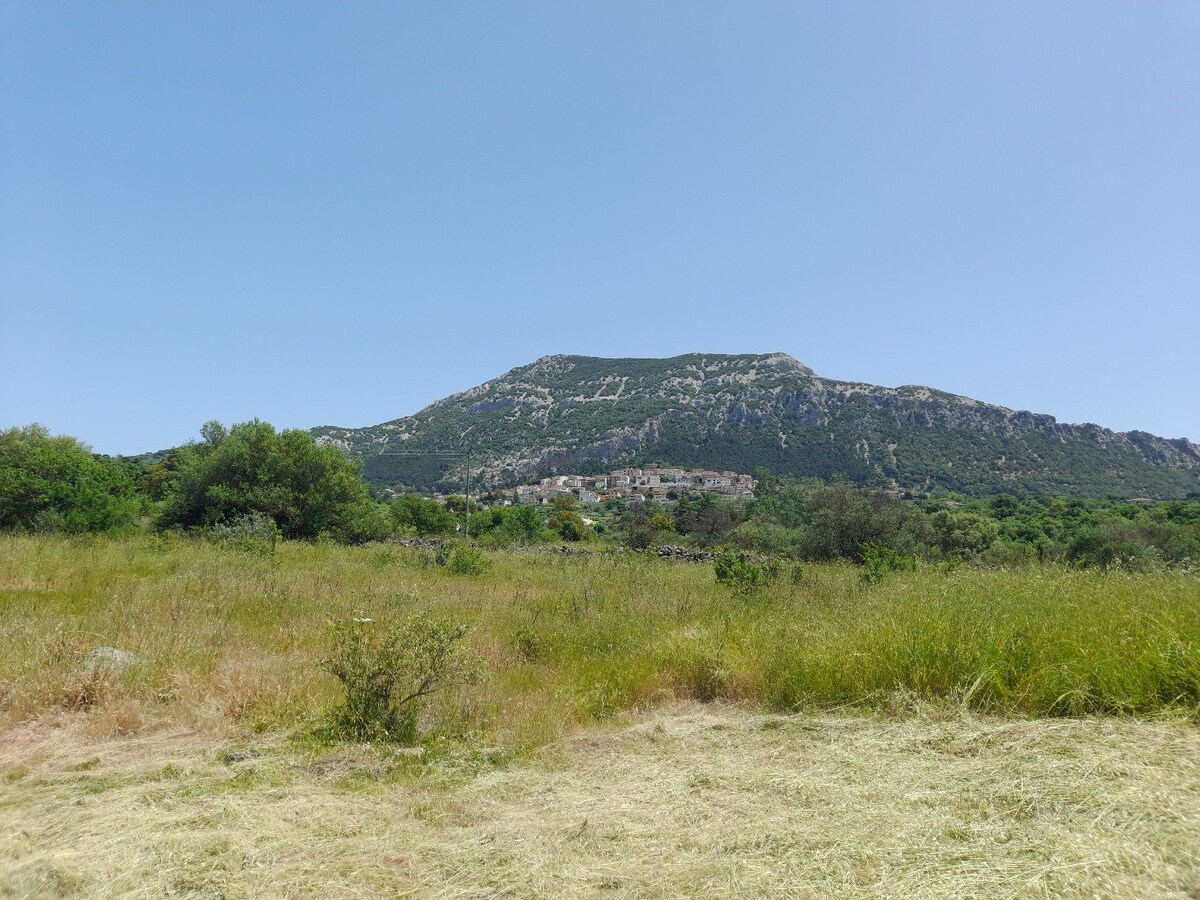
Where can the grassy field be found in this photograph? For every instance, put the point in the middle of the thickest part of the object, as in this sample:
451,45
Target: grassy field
641,729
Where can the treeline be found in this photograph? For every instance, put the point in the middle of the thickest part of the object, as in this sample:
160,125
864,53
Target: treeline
810,520
245,482
253,482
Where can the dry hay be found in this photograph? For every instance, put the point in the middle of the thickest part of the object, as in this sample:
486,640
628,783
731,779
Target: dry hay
689,801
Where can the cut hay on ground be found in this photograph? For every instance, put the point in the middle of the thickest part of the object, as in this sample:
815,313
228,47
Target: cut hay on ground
690,801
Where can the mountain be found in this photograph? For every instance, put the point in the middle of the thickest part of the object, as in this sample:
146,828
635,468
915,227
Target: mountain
738,412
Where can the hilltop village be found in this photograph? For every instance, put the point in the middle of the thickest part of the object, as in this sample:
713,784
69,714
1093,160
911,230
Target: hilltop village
648,484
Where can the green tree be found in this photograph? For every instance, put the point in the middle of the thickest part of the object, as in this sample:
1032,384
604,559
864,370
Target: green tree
962,534
645,526
844,520
510,525
566,521
306,488
57,483
412,511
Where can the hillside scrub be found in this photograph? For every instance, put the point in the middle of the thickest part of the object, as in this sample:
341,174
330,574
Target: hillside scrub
807,519
746,411
284,481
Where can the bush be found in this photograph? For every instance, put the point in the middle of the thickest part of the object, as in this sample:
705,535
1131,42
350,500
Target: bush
506,525
878,560
528,645
388,671
740,572
253,532
568,524
768,537
1005,553
962,535
56,484
466,560
308,489
412,511
646,526
1114,544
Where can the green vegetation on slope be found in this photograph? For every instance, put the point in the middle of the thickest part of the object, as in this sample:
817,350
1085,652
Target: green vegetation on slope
583,414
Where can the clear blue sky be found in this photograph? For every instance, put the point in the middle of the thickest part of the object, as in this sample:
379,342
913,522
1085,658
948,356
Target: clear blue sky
337,213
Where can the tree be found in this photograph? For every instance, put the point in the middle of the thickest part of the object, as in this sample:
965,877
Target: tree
962,534
306,488
645,526
701,515
510,524
422,515
57,483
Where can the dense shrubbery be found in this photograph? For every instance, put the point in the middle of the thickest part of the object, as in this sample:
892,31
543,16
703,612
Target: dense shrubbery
806,519
252,532
510,525
414,513
57,484
743,574
307,489
466,560
238,481
566,521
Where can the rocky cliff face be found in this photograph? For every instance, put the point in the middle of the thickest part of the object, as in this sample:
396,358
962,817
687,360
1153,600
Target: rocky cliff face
743,411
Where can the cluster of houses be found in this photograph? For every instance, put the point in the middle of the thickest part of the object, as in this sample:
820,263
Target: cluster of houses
660,484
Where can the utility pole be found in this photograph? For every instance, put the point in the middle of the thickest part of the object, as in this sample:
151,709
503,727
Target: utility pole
467,479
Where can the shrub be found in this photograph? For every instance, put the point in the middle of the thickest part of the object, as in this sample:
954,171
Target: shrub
466,560
56,484
505,525
740,572
307,488
1113,544
422,516
646,526
1006,553
528,645
253,533
962,535
388,671
767,537
569,525
878,560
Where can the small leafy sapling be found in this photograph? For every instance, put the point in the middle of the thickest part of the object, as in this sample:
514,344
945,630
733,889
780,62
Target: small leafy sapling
387,673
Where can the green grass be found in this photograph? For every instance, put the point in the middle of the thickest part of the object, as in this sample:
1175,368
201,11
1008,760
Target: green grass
568,640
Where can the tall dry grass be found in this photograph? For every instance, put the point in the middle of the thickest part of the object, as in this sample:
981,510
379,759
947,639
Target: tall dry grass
225,635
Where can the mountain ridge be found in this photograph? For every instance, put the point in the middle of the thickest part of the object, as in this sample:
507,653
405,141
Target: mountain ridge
741,411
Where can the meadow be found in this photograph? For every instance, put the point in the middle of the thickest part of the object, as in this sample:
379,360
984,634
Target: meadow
986,719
